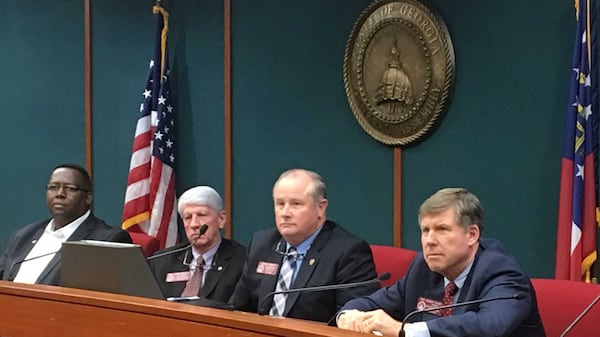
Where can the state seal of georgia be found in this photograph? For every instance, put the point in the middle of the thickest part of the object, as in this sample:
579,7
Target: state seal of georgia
399,71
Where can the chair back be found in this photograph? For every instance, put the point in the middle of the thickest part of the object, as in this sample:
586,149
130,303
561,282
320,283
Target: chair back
394,260
560,302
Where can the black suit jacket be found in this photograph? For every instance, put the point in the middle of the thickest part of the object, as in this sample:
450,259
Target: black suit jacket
335,257
23,240
494,273
220,279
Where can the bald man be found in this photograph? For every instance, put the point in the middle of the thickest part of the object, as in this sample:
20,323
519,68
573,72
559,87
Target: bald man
303,250
211,267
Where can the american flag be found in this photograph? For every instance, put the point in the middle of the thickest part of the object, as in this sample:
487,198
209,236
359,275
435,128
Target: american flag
150,197
576,235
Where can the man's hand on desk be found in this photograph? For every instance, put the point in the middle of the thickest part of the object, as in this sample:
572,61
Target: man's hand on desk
377,322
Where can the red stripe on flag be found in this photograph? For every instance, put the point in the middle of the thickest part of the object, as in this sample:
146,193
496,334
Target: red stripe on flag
138,173
565,214
142,140
169,204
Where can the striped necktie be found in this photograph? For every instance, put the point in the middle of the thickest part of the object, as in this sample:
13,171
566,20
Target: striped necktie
193,285
284,282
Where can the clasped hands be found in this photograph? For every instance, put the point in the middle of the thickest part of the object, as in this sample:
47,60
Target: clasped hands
376,322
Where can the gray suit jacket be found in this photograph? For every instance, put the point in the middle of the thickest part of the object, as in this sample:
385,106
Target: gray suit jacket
23,240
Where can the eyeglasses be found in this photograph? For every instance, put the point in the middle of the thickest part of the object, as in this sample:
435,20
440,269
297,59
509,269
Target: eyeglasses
67,188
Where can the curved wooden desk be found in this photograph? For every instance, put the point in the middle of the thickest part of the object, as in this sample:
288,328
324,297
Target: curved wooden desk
40,310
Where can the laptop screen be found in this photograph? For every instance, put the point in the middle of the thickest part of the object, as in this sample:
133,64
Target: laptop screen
108,266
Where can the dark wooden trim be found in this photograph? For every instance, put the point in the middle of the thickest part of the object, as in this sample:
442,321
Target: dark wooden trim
227,115
88,85
397,219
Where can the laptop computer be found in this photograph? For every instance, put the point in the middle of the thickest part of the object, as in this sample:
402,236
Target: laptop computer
107,266
115,267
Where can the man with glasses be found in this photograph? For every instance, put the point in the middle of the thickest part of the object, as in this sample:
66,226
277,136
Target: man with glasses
208,265
31,255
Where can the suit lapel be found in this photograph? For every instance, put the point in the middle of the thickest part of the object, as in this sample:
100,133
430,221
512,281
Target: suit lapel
83,231
177,266
213,276
309,264
27,246
52,271
468,294
268,283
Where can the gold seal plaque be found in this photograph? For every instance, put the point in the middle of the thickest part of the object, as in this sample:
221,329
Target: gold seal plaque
399,71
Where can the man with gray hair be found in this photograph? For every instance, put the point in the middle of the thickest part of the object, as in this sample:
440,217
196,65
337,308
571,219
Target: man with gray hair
456,266
211,267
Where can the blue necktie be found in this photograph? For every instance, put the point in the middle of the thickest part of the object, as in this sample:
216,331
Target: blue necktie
284,282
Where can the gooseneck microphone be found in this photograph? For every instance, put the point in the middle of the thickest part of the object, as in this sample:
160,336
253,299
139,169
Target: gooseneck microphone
583,313
18,262
262,311
201,231
516,296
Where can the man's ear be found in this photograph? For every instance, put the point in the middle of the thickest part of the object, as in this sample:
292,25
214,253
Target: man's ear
222,219
89,199
474,233
322,207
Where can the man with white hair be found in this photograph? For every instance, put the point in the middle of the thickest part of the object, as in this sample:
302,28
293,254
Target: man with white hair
211,267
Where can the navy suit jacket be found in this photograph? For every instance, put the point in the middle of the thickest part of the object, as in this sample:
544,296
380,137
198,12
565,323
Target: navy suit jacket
494,273
335,257
23,240
220,280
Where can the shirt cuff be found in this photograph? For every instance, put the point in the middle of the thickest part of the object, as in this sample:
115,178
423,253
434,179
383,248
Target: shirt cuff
418,329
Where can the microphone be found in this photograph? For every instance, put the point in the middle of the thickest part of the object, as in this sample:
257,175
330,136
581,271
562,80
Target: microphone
262,311
201,232
516,296
576,320
18,262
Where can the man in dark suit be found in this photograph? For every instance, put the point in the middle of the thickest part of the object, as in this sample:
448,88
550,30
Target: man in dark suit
456,265
310,249
69,198
221,259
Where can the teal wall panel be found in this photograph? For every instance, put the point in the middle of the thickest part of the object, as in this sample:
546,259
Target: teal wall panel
502,135
122,33
41,89
290,110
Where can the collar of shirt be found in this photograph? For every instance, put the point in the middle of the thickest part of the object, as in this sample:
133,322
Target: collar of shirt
304,246
208,256
460,280
66,231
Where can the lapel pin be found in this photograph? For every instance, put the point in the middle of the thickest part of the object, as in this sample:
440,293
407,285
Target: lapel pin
311,262
219,268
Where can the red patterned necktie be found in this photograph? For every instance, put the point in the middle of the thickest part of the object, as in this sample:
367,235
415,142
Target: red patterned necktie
193,285
449,291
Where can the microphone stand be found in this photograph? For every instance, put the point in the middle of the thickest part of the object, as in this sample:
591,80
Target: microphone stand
382,277
201,232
